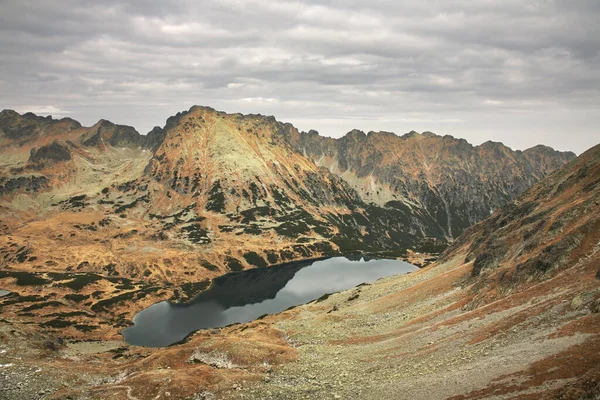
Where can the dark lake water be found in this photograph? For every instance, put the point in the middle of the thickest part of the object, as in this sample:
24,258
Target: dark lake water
245,296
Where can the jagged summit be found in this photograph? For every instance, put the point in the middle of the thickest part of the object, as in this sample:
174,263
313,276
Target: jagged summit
28,128
547,150
380,133
356,134
453,182
444,184
411,134
105,132
8,112
8,115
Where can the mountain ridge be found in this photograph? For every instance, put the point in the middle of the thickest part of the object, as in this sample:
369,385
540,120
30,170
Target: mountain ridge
385,167
12,112
516,299
208,181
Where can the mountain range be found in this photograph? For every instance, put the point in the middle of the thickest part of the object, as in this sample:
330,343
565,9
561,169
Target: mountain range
213,192
101,222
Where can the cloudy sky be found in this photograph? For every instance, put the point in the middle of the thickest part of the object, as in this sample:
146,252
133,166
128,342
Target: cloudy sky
518,71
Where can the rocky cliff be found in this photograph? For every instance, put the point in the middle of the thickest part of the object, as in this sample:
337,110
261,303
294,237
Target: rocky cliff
451,182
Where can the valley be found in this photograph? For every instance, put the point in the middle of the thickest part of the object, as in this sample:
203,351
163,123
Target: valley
99,223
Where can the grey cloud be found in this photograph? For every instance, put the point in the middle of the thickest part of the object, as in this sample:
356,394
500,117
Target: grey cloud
516,71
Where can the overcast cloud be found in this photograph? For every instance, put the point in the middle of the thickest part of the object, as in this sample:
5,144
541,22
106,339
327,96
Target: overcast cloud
517,71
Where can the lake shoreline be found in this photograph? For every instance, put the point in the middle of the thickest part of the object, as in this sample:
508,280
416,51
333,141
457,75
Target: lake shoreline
245,296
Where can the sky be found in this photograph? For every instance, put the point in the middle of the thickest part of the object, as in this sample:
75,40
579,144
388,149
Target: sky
521,72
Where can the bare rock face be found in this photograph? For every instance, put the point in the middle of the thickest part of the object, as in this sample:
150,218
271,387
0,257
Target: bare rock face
541,228
451,182
49,155
155,137
105,132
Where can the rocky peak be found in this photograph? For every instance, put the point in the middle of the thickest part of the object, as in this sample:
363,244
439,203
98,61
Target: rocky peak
105,132
6,113
541,149
491,145
155,137
202,148
448,179
355,135
382,134
411,134
25,129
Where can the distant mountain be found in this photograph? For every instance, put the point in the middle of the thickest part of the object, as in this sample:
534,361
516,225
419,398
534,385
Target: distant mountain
446,179
212,192
552,227
98,223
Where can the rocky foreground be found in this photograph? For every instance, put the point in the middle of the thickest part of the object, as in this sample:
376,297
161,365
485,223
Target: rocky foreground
510,310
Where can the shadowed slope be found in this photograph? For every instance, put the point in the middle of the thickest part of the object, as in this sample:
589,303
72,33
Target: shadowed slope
452,182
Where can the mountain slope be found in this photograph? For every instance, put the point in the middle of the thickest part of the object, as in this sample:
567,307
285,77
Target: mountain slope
208,193
213,192
240,172
454,183
511,309
545,231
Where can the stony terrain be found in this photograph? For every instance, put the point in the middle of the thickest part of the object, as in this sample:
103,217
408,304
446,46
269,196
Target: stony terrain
99,223
511,310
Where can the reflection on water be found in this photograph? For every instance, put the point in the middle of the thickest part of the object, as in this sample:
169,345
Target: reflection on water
4,292
244,296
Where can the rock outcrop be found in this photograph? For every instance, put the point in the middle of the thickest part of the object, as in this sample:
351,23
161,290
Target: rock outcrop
49,155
